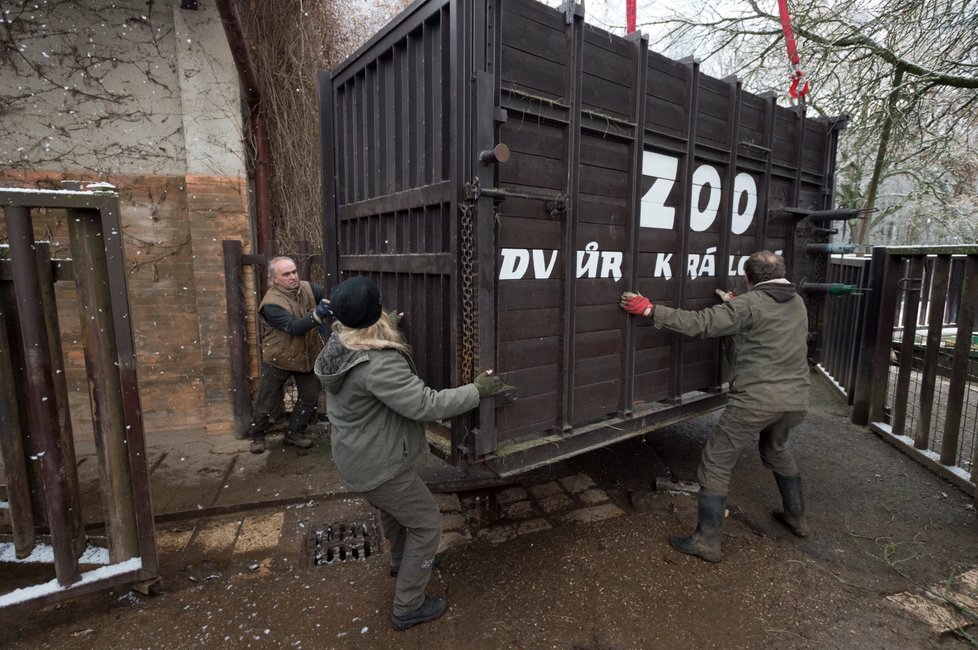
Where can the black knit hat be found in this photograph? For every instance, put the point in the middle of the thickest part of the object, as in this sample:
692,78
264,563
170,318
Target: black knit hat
355,302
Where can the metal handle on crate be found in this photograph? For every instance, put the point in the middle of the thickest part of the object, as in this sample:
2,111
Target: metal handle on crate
903,284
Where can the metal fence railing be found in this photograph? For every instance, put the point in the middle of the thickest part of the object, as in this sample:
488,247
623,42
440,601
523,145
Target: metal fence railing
916,367
841,333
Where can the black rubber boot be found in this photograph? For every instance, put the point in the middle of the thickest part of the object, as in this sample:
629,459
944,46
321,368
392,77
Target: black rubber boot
705,542
793,500
296,435
258,445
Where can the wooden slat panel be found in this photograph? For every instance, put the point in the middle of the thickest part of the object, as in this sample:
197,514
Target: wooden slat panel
523,354
518,295
596,400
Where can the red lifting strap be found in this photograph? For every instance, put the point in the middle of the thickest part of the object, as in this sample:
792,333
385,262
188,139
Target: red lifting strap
797,77
789,34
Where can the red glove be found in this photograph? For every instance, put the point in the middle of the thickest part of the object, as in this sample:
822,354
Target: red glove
636,303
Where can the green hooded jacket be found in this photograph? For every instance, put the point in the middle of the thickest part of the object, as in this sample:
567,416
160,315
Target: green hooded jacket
377,405
767,344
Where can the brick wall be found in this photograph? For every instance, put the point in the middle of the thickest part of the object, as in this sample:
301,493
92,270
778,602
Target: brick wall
172,232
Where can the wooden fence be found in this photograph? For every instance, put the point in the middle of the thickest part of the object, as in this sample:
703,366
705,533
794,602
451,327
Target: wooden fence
36,443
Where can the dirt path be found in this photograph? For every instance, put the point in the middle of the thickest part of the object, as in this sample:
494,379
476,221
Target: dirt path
882,526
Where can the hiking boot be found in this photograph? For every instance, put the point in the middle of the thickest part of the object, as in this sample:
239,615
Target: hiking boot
434,565
430,609
258,445
793,501
705,541
297,439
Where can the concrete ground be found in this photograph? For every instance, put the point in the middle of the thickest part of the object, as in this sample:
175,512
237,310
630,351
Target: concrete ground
270,551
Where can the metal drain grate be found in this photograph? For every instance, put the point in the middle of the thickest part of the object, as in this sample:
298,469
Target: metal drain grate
344,541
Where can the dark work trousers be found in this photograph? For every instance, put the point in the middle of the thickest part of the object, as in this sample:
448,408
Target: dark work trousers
272,380
735,430
412,526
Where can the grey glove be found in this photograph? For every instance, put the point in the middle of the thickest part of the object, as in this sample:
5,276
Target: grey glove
395,317
489,384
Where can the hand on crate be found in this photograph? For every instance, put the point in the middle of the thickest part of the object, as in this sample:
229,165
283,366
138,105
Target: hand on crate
322,310
636,303
724,295
489,384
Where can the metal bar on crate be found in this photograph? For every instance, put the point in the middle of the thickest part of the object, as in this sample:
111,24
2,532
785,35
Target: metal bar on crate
327,101
938,293
687,167
734,89
764,189
641,49
41,392
575,41
960,361
463,436
485,243
911,303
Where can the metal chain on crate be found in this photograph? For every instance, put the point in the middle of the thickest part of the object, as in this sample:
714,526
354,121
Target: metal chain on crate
469,327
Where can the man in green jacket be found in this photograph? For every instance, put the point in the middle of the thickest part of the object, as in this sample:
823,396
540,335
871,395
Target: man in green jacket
767,344
289,316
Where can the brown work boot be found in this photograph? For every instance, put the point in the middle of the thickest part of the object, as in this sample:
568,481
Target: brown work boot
297,439
258,445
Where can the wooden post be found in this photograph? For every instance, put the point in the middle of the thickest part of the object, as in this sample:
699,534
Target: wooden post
958,382
16,477
928,380
101,354
863,379
880,377
8,302
911,300
237,338
41,393
45,278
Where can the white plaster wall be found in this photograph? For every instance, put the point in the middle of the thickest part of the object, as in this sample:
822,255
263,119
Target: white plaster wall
98,87
210,93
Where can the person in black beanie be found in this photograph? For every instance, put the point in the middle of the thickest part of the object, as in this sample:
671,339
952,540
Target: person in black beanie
377,407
